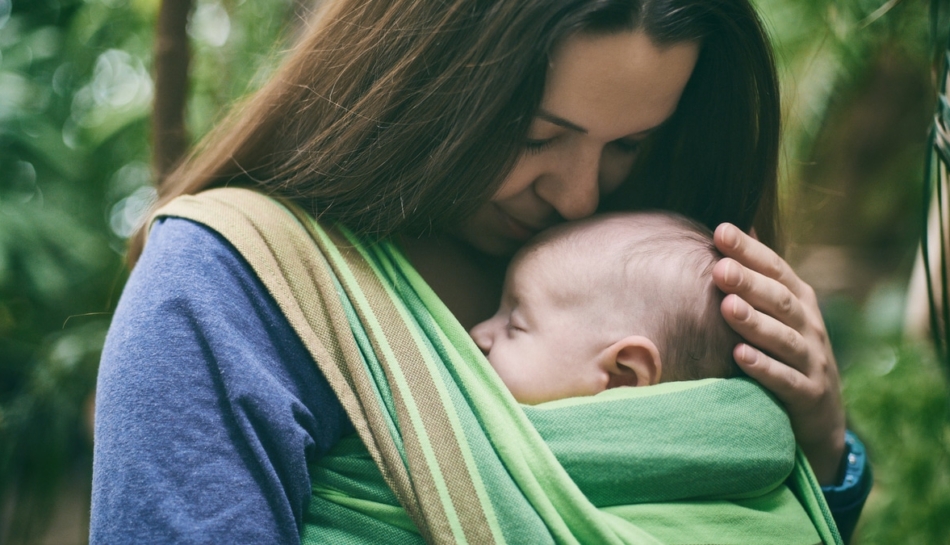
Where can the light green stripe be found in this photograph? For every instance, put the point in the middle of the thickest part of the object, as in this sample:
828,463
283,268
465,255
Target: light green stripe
376,373
384,399
813,499
501,419
628,393
450,412
506,497
453,417
552,493
401,383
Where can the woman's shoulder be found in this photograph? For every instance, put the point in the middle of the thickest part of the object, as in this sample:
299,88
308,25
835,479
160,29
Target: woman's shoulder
188,268
200,368
184,257
194,309
192,296
193,302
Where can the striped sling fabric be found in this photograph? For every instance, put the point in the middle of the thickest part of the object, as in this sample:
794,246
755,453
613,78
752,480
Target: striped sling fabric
444,454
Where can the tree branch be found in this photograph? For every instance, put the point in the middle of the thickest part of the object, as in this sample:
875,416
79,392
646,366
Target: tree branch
172,59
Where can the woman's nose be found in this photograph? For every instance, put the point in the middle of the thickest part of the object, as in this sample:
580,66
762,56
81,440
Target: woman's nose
572,187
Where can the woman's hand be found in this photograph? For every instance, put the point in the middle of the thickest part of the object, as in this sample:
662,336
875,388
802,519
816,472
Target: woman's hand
788,351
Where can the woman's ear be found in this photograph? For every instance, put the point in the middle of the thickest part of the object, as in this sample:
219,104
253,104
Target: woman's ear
633,361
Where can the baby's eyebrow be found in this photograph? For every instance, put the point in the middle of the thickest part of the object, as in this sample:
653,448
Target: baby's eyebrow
507,298
523,310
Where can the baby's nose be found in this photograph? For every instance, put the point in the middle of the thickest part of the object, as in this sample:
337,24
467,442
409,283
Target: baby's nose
481,334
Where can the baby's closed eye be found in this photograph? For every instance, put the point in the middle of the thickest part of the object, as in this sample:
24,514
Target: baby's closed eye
513,328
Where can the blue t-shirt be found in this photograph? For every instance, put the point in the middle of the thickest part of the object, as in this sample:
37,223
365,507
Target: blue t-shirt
209,409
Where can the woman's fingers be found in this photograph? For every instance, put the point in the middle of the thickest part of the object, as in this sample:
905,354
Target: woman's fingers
769,334
762,292
732,242
778,378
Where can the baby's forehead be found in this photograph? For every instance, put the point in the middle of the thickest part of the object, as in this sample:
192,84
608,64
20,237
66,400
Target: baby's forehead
578,246
568,271
548,263
612,253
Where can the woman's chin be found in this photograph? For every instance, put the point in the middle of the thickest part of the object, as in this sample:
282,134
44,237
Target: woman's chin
492,232
491,244
488,240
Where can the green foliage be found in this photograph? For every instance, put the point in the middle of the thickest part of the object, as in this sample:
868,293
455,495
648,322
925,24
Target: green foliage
75,96
72,114
857,97
823,48
899,404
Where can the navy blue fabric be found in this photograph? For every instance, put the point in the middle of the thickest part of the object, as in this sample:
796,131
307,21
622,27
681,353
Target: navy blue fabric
208,407
847,497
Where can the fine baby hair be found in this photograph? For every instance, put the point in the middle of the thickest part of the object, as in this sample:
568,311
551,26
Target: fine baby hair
657,267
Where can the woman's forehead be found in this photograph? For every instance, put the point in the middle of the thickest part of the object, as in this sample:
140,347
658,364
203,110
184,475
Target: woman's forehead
617,84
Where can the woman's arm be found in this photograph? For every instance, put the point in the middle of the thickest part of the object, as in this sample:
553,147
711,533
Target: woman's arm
208,407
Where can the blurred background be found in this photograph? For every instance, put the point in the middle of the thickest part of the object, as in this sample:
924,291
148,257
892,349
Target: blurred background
76,96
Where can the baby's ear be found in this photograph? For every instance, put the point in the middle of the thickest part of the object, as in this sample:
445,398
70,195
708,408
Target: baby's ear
633,361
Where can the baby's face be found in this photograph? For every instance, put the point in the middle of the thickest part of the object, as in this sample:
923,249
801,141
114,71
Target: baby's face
544,340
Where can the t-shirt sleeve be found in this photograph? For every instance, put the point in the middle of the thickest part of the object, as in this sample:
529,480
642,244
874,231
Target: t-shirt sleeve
208,407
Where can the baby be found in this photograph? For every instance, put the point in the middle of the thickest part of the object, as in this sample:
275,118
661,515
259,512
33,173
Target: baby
617,300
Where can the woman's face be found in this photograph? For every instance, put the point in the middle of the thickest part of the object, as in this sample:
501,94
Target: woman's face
603,96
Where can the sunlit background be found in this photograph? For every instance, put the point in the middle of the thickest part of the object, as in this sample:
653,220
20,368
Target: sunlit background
75,96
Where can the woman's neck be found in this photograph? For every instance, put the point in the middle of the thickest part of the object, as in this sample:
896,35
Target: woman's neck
467,281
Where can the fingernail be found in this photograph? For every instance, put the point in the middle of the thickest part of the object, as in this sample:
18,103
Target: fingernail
730,236
746,355
731,276
740,309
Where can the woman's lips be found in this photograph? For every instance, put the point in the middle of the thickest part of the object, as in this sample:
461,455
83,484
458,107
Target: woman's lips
518,230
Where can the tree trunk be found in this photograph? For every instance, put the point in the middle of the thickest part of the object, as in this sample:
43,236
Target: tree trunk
172,57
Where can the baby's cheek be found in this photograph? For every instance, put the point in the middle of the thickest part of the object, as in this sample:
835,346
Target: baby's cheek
504,370
513,377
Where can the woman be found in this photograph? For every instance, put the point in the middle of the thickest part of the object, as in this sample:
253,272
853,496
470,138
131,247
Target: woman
461,128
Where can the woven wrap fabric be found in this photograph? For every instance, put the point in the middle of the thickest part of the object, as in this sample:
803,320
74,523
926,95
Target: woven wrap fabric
442,452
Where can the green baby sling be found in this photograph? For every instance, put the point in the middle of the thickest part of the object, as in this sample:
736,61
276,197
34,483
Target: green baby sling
442,452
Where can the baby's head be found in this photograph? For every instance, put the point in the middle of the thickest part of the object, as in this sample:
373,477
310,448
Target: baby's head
618,300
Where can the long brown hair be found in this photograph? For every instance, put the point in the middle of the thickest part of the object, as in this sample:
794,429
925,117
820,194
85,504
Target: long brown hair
406,115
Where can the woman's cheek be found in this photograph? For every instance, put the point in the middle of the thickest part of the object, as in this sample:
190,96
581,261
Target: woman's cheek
519,179
614,168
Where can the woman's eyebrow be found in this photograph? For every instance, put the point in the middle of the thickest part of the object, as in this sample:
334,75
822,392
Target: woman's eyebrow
647,132
560,121
551,118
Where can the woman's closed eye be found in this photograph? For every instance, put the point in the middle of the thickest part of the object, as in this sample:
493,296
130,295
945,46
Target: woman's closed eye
533,146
